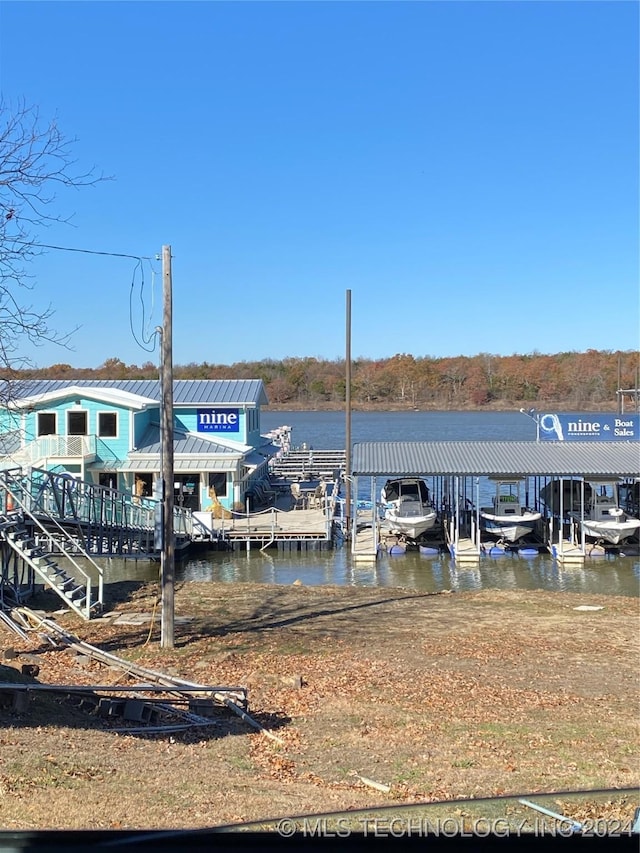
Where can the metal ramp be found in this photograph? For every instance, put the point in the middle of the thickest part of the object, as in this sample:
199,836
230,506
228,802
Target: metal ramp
104,522
48,523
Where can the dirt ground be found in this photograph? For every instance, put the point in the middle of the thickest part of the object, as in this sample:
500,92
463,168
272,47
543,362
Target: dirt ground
431,696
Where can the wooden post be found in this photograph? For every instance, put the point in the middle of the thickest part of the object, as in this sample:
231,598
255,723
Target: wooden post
167,569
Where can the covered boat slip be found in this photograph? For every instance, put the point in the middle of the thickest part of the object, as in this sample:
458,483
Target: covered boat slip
457,468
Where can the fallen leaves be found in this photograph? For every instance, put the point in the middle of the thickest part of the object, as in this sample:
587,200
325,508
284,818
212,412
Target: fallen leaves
487,694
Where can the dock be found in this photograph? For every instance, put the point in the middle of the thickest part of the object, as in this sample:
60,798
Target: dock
275,518
457,469
281,521
308,464
292,529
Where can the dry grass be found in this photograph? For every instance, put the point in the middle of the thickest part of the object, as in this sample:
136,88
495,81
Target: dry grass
436,696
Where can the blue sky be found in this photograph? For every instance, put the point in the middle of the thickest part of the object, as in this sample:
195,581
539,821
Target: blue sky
468,170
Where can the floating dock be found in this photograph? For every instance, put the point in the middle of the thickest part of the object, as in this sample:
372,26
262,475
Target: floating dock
308,464
292,529
308,523
455,469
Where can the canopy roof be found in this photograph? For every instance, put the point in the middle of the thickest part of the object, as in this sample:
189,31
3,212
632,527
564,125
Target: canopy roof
498,458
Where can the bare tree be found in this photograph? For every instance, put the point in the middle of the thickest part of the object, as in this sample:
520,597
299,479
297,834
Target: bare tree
35,163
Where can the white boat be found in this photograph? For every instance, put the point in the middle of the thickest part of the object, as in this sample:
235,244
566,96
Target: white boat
603,519
408,509
507,519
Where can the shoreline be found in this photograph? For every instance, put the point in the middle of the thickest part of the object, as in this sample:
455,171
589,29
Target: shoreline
381,409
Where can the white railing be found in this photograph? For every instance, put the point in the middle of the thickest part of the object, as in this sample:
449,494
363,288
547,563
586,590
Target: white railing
61,446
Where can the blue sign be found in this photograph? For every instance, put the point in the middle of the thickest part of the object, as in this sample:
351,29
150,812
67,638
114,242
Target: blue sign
589,427
218,420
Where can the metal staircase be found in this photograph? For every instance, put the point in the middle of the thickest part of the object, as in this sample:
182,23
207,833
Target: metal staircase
72,583
36,548
53,525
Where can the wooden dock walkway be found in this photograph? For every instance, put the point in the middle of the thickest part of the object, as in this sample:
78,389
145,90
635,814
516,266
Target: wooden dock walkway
285,524
299,529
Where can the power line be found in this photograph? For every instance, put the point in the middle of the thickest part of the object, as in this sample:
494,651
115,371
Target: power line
86,251
146,340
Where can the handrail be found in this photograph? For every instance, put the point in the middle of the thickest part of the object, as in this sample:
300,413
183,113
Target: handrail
66,512
87,578
61,447
65,497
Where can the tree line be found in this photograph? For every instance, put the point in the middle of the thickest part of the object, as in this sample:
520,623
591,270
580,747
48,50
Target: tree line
568,380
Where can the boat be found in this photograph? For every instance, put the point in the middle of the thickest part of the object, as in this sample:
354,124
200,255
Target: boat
629,496
507,519
603,519
408,509
571,498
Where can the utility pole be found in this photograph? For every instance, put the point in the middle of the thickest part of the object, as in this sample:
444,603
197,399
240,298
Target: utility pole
347,448
167,564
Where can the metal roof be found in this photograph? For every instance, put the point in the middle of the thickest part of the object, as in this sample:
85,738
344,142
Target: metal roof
183,442
499,458
192,453
211,392
204,463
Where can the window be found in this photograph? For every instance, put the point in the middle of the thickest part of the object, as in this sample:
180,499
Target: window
186,491
108,479
46,423
76,423
218,483
107,424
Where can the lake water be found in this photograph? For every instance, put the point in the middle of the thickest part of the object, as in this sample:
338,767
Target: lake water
326,430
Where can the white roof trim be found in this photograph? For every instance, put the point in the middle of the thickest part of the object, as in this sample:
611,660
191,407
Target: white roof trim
114,396
215,438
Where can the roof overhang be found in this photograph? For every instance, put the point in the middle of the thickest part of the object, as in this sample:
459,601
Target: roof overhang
254,459
112,396
179,465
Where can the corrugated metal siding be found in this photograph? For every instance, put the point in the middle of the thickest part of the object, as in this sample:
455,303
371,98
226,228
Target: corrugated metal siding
502,458
185,391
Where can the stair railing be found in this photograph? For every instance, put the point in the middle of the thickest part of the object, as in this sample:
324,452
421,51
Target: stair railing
14,493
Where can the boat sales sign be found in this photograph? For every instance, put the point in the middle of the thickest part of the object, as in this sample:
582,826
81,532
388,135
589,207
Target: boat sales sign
218,420
589,427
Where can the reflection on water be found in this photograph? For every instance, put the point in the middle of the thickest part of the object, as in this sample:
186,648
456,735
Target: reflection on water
412,570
